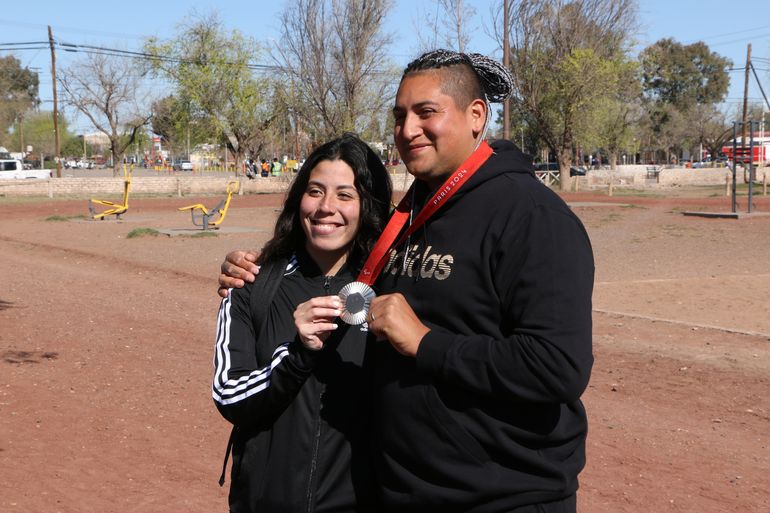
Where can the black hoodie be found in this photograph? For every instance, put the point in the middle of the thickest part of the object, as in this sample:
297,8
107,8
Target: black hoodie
488,417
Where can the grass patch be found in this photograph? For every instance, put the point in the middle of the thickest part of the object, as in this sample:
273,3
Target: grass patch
610,218
631,205
641,193
677,230
142,232
201,235
59,218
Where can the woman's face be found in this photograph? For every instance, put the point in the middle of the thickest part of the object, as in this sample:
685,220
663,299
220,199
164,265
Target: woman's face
330,211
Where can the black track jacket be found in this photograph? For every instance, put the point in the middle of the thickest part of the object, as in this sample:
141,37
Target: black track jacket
300,415
488,416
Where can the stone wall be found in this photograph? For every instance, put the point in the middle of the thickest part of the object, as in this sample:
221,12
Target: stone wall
637,177
187,185
104,187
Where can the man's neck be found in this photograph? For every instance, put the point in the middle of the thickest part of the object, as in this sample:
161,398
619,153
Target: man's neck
434,183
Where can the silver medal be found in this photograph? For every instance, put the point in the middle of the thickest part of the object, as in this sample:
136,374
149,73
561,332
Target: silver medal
356,298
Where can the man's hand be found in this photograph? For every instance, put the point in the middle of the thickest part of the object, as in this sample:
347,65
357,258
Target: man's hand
391,318
314,320
237,269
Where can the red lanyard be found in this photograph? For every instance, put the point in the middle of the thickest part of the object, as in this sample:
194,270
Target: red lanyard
376,260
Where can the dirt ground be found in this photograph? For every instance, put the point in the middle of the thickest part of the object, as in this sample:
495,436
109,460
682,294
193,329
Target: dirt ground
106,349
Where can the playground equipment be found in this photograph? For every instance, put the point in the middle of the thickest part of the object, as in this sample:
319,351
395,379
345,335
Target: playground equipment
116,209
203,217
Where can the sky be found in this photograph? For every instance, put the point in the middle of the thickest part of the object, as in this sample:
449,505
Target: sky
726,27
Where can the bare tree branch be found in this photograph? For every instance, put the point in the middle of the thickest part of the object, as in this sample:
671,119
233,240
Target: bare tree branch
334,55
107,90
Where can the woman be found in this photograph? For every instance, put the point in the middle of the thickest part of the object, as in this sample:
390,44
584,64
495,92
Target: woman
291,379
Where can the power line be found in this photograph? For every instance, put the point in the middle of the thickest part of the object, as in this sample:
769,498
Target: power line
114,52
742,31
78,30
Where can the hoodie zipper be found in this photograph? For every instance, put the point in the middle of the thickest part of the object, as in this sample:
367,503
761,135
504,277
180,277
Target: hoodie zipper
317,439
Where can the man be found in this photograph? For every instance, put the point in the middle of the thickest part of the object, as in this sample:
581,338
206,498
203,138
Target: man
486,306
275,170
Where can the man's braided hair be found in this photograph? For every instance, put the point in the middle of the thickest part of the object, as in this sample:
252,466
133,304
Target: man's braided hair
493,78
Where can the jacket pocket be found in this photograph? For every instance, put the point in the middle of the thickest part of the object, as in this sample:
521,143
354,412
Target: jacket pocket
446,423
249,470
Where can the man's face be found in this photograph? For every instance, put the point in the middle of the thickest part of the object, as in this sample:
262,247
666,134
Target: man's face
433,135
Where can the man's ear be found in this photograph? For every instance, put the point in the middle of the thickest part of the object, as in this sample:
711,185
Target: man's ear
478,113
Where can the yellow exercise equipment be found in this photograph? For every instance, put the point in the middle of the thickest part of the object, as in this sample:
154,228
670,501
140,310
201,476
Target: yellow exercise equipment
116,209
203,217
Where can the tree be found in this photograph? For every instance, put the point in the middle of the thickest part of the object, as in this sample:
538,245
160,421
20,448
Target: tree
563,56
608,124
213,70
179,126
39,133
684,75
107,90
712,128
681,84
18,94
450,25
333,57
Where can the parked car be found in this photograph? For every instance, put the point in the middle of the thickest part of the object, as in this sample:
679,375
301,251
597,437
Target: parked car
12,168
183,165
554,166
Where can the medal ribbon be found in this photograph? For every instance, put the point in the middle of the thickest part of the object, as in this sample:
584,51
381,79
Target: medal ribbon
377,258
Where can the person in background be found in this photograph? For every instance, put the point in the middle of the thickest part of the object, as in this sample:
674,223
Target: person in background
276,167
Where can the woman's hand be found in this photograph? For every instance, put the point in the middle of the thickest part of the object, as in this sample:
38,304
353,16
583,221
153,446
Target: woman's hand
314,320
237,269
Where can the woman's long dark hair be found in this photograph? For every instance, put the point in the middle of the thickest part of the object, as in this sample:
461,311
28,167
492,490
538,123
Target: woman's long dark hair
372,183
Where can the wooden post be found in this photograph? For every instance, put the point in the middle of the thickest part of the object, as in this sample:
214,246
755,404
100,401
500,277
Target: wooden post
55,106
609,189
727,185
764,183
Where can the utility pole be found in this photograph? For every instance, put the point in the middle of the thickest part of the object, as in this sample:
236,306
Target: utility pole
746,97
744,118
21,135
55,105
507,64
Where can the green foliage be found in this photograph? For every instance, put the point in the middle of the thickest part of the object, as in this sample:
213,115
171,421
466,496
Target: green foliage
142,232
609,120
170,120
39,132
213,77
681,85
565,59
18,92
684,75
